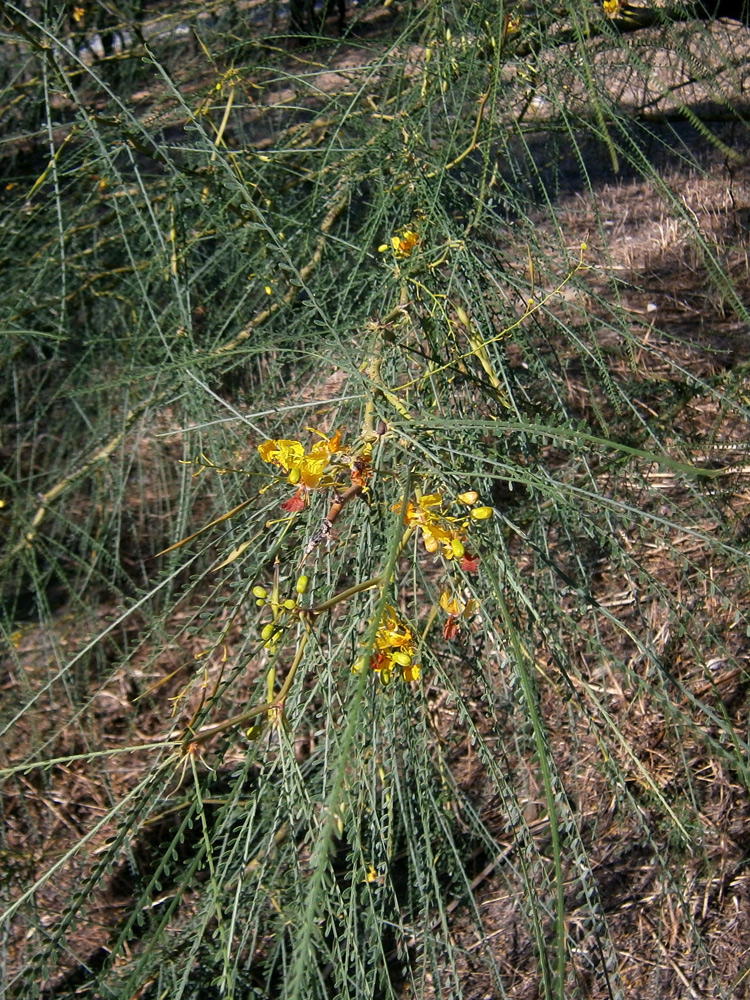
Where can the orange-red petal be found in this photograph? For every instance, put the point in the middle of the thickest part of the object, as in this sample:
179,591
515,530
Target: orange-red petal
296,503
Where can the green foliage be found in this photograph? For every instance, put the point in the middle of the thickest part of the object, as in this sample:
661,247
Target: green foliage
428,769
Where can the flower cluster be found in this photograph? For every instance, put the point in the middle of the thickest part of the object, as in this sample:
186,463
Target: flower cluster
280,610
306,470
395,648
402,245
443,531
440,531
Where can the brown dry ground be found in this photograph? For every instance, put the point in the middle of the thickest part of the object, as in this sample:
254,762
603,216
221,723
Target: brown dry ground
48,811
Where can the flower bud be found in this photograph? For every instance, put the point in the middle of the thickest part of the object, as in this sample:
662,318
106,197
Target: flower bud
294,476
403,659
267,631
463,316
482,513
386,676
302,584
470,497
431,543
254,732
457,547
289,604
260,592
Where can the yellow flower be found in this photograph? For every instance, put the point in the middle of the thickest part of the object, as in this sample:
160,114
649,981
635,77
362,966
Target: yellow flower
441,532
371,874
611,7
453,605
300,466
402,245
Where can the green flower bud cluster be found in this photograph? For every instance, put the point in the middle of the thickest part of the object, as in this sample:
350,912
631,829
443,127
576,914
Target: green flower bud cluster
280,610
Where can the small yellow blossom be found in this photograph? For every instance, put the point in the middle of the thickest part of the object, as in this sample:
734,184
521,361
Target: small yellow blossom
371,874
392,632
611,7
78,14
402,245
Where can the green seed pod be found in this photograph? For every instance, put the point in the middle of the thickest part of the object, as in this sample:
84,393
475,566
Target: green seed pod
302,584
260,592
294,476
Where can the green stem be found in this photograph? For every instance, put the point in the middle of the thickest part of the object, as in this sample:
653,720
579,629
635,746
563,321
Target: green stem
358,588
